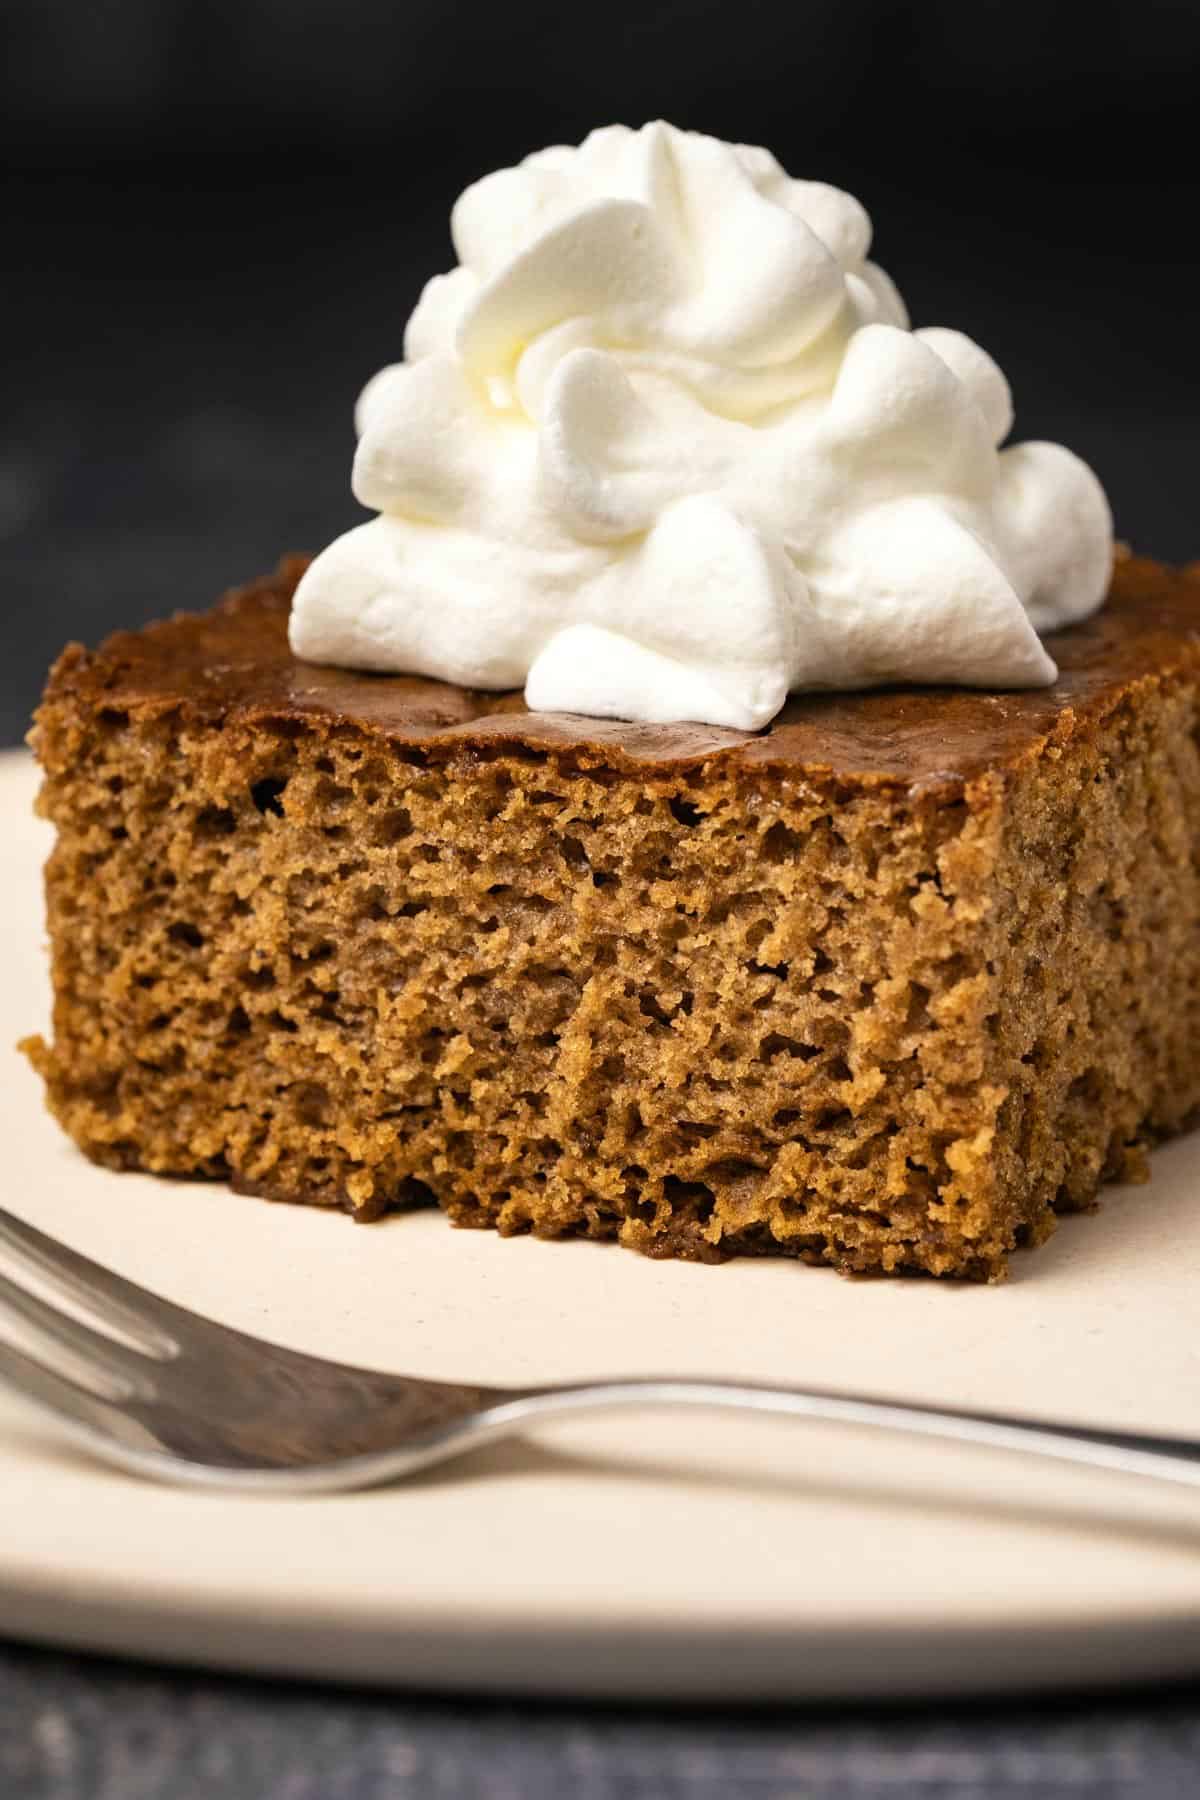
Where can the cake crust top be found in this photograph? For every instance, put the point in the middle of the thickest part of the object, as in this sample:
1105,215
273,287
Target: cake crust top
233,664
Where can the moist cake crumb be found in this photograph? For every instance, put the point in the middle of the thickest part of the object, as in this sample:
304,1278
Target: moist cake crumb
885,986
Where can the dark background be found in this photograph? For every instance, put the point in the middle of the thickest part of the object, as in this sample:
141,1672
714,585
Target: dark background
222,211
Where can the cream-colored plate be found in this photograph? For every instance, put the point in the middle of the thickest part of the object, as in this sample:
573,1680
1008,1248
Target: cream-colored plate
642,1555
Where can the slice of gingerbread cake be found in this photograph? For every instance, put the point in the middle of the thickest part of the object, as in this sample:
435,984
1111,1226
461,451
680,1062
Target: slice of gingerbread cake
883,986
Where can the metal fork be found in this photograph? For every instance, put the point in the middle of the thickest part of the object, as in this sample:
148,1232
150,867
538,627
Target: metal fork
162,1391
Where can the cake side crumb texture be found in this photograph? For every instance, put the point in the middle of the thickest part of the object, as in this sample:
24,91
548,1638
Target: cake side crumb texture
704,994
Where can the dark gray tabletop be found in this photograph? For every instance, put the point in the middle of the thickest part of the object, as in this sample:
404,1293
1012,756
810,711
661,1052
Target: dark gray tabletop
74,1729
177,414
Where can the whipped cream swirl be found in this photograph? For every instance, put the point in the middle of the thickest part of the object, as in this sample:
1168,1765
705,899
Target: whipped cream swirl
663,447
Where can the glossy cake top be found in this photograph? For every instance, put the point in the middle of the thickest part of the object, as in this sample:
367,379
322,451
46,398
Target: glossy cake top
233,663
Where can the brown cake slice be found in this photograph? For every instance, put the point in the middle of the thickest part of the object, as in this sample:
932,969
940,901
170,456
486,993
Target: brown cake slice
885,986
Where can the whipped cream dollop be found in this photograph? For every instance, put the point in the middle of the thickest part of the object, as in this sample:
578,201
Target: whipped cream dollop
663,447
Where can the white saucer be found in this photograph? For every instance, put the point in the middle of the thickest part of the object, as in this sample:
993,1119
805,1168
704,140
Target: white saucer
638,1556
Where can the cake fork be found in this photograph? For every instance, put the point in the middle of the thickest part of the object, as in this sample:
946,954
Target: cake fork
162,1391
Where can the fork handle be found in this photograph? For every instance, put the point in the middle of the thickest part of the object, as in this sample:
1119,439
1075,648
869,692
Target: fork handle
1130,1453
